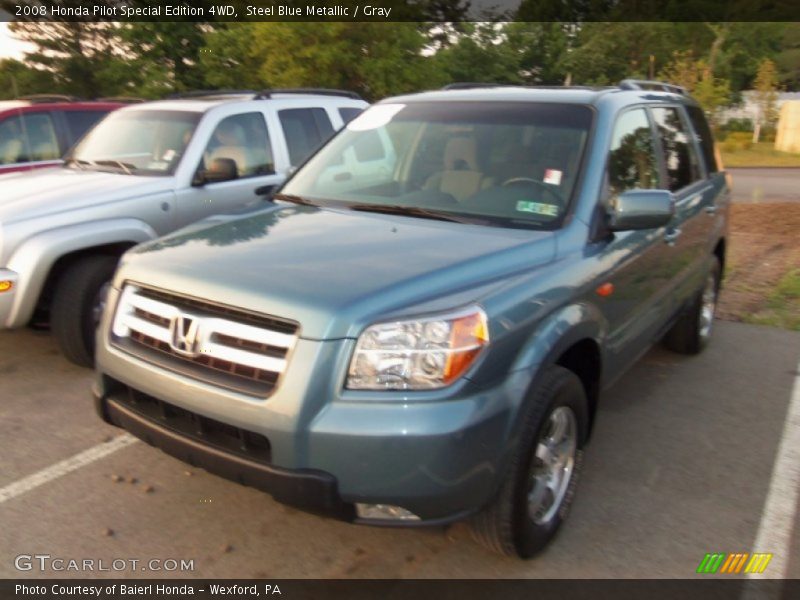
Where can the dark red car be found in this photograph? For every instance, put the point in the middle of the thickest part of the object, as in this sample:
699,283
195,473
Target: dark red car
36,131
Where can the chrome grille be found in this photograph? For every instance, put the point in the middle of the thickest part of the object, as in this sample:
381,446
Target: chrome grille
238,350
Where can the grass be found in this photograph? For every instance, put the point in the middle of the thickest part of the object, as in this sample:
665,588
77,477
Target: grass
782,308
762,154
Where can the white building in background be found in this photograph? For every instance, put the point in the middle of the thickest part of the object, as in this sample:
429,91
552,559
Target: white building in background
748,109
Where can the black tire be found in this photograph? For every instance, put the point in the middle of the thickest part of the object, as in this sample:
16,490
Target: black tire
71,313
505,525
688,335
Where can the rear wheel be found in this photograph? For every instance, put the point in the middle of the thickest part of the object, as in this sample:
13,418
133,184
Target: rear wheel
535,497
692,332
78,304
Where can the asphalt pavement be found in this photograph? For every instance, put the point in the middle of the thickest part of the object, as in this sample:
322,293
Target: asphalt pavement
765,185
679,465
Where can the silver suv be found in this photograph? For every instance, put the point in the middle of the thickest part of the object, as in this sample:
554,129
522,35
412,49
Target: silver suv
145,171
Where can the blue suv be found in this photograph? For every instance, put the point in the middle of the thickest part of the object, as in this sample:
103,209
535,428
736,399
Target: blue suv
425,338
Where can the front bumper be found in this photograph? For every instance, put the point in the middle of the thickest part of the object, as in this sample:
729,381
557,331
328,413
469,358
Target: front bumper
314,491
438,454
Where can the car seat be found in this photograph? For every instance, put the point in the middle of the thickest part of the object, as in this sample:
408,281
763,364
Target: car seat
461,177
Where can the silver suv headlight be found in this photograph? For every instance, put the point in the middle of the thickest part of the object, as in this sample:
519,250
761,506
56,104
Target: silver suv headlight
424,353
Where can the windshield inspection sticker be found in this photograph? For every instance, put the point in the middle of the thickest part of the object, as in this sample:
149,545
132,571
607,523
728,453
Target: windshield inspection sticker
552,176
538,208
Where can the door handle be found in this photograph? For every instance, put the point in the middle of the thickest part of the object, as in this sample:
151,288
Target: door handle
712,209
672,235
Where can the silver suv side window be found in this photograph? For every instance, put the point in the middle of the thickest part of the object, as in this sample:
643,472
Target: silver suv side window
244,140
680,158
28,138
305,130
632,159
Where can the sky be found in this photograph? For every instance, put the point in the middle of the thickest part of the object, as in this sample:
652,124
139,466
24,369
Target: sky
9,47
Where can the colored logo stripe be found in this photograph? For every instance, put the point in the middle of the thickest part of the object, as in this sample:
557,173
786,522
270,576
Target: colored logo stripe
734,563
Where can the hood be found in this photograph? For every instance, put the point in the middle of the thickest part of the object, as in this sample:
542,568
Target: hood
334,271
46,191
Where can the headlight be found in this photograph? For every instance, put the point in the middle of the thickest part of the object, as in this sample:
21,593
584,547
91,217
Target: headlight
418,354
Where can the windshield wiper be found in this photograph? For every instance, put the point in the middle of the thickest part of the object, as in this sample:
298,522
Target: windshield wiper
411,211
82,164
294,199
127,167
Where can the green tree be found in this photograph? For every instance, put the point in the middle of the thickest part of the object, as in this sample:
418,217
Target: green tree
18,79
168,53
374,59
228,60
77,54
696,76
482,54
766,97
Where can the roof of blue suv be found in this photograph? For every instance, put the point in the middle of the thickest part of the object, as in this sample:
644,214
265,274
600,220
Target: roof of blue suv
563,95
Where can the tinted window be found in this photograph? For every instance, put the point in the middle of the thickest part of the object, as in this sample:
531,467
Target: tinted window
348,114
706,140
81,121
244,140
29,138
632,160
679,154
305,130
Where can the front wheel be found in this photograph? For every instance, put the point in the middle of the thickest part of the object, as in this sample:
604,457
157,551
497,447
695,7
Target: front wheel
537,492
78,304
692,332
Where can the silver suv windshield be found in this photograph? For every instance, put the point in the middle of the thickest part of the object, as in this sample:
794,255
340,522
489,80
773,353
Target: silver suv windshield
511,164
140,142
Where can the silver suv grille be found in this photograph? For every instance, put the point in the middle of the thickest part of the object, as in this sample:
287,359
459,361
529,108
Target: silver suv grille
241,351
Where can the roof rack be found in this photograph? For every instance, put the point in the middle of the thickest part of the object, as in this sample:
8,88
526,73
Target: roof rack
211,93
265,94
465,85
41,98
121,99
643,84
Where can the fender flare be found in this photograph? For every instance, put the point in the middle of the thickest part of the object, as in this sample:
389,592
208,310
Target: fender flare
545,344
34,258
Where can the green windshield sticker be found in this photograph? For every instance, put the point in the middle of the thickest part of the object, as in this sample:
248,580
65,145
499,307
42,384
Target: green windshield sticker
538,208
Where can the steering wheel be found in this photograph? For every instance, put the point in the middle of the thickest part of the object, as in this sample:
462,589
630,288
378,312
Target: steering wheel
540,184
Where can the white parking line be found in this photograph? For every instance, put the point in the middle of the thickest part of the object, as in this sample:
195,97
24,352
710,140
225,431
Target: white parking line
778,517
26,484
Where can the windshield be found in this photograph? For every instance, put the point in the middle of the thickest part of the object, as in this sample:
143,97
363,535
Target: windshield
511,164
141,142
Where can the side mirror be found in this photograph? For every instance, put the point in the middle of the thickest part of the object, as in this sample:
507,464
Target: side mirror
221,169
641,209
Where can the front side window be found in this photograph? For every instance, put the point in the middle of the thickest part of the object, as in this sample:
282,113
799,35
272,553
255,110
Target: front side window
511,164
244,140
632,159
136,142
28,138
683,167
305,130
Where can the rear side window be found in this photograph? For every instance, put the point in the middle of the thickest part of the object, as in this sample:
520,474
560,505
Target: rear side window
348,114
305,130
683,166
632,159
706,140
28,138
81,121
